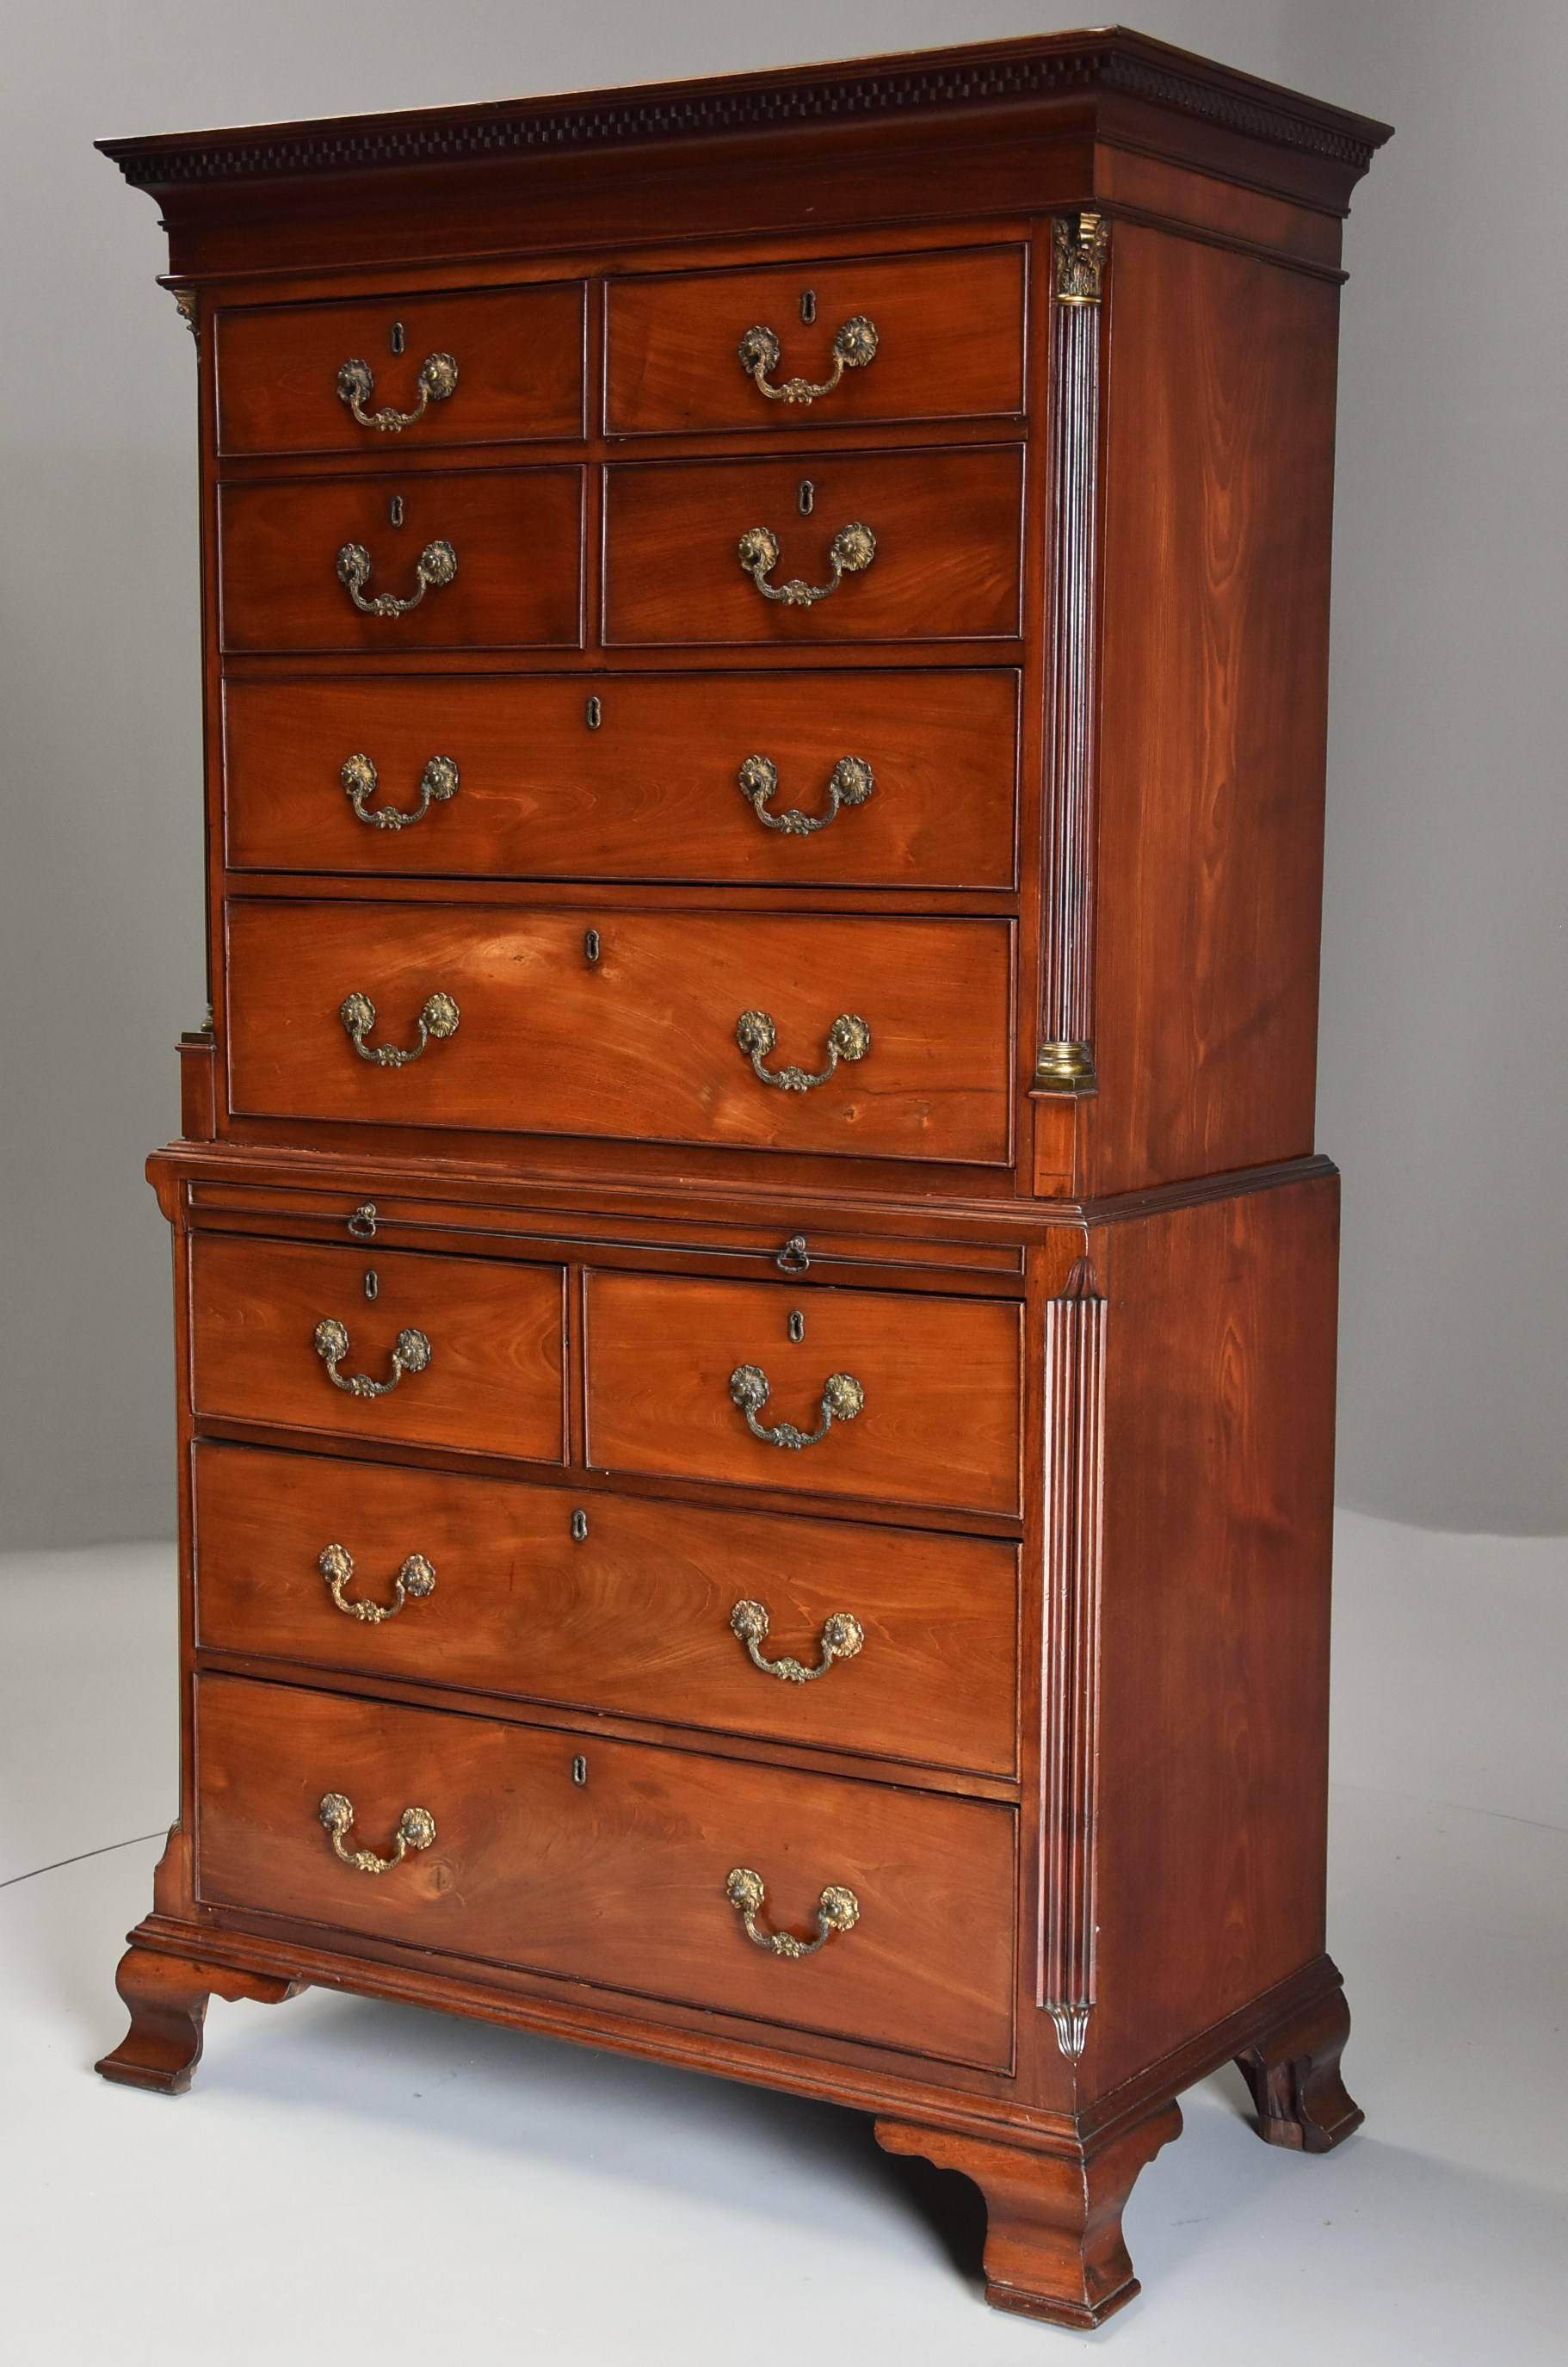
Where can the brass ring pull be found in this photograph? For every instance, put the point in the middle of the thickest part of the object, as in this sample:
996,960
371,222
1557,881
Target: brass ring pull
438,1017
842,1637
838,1909
416,1830
855,347
355,385
850,784
849,1038
415,1580
842,1399
411,1353
434,567
851,550
436,784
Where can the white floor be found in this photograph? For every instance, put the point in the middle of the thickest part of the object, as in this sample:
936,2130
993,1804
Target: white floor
354,2182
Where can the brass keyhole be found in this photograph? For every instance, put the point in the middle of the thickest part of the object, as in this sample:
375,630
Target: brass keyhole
590,946
395,509
796,1325
579,1527
372,1282
593,715
808,305
397,336
807,497
580,1770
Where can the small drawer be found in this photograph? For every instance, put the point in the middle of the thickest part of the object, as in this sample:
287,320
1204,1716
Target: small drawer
844,778
822,547
612,1863
473,558
909,1401
861,338
463,1352
610,1602
395,373
600,1022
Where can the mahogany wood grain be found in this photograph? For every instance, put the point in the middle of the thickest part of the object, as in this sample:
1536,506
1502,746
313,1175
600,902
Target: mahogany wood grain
948,527
518,351
633,1616
639,1043
517,534
1219,509
941,1377
950,332
615,1874
650,792
1210,1805
494,1382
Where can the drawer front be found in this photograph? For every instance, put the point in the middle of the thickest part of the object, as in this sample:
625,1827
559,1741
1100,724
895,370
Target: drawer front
516,535
947,527
938,1380
621,1879
440,369
945,341
635,1614
640,1042
494,1380
873,779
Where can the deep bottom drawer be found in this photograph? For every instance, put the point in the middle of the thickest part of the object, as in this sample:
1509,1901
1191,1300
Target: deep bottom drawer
619,1879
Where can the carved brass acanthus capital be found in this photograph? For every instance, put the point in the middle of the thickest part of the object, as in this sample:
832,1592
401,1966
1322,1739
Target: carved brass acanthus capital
190,304
1081,246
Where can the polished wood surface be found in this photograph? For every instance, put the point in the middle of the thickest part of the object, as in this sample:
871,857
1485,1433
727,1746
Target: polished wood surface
941,1422
494,1383
640,1042
519,353
949,341
948,525
633,1615
615,1874
650,791
516,532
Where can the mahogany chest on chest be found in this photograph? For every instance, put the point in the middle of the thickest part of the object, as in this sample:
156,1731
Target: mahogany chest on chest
755,1301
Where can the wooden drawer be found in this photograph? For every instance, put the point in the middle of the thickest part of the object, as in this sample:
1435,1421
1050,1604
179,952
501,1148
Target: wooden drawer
619,1879
633,1615
518,353
940,1380
947,526
948,331
494,1381
654,792
640,1043
517,534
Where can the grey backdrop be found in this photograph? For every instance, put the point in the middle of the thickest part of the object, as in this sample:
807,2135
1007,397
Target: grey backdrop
1443,1003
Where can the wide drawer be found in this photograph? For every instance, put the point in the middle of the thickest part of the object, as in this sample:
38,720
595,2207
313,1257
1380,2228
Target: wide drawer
946,526
856,778
594,1021
857,338
516,535
490,1380
447,366
617,1872
675,1367
613,1603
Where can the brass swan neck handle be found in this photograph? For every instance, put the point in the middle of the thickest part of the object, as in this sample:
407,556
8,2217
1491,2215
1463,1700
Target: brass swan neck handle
357,384
851,782
411,1353
414,1580
434,569
438,782
416,1830
843,1400
842,1637
838,1909
849,1038
855,347
438,1018
851,551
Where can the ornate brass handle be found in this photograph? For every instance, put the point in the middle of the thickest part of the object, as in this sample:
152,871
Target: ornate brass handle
838,1909
842,1399
411,1353
849,1038
416,1830
842,1637
435,566
355,384
438,1017
414,1580
436,784
855,347
851,550
850,784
